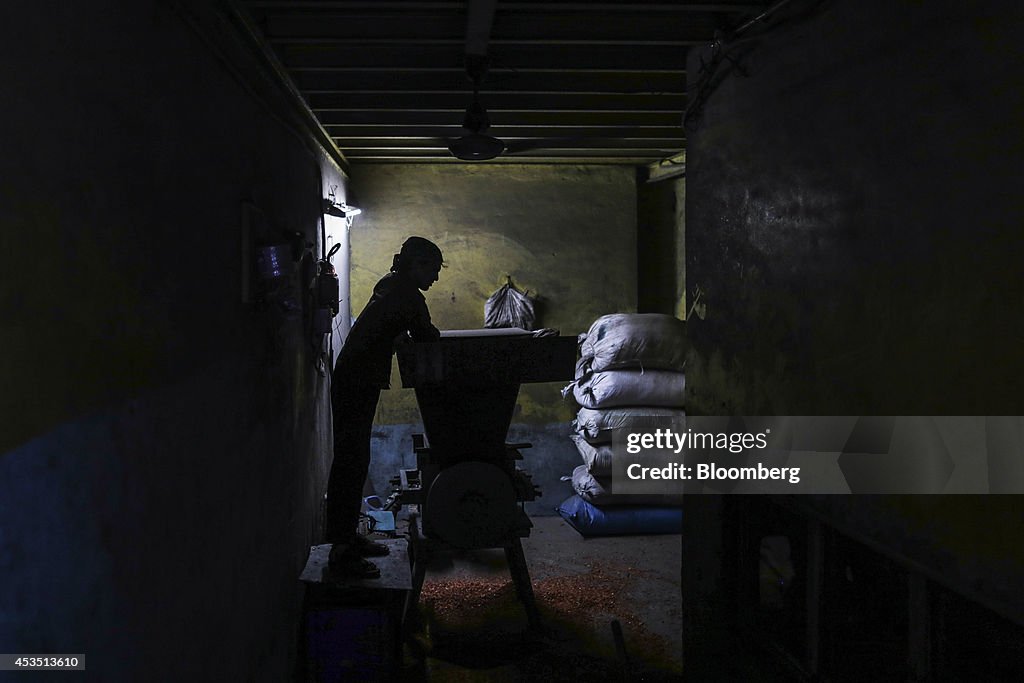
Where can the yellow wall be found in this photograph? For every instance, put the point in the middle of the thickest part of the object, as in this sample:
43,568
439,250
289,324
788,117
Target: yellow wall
566,233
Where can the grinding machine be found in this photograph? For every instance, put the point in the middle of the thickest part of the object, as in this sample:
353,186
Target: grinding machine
466,491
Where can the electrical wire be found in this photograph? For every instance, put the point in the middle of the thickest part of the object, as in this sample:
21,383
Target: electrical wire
724,49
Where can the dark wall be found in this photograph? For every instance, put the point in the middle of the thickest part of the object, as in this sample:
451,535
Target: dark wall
854,214
163,445
660,246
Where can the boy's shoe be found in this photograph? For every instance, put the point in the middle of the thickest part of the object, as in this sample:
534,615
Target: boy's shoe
344,561
367,548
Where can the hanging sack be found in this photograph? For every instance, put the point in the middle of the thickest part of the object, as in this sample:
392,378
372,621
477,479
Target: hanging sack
509,307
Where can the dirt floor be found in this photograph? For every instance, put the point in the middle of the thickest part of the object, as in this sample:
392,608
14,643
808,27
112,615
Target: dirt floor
474,628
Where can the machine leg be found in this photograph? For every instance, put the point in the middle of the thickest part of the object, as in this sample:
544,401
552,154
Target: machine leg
521,578
418,561
412,600
414,538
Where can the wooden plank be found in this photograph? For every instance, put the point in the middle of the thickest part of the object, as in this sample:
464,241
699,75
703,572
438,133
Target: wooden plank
520,57
415,27
619,82
331,120
394,569
458,100
578,161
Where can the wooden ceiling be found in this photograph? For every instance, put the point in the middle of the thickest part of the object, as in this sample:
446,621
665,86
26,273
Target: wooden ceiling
567,82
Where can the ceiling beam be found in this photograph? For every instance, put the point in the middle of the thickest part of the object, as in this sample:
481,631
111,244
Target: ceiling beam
499,118
561,43
324,102
379,143
442,150
449,159
512,57
412,26
619,82
638,7
507,132
485,93
569,82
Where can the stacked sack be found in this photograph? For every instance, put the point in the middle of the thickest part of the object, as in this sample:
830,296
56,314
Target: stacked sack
630,376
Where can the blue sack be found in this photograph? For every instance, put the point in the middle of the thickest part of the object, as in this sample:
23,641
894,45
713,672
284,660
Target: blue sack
590,520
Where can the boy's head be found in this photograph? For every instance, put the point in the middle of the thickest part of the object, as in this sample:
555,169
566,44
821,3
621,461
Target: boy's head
420,260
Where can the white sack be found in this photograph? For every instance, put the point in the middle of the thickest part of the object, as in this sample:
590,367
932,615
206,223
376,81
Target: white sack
616,388
597,459
634,340
597,492
596,426
509,307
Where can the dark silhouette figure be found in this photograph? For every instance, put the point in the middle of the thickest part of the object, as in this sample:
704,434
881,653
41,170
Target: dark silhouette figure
395,313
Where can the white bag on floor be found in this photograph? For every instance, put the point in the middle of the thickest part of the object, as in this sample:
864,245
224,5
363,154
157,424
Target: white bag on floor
634,340
596,426
597,492
598,459
616,388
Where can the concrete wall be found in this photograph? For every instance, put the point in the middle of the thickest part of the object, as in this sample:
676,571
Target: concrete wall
567,234
661,247
163,446
854,214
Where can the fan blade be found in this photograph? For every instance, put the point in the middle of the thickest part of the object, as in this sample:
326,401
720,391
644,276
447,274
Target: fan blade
580,142
479,19
476,147
517,146
596,135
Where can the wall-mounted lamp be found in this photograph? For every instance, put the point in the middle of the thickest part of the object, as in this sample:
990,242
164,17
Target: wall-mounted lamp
332,207
340,210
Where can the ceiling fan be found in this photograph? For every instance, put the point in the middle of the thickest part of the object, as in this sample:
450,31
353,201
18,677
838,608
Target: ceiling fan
476,144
